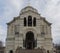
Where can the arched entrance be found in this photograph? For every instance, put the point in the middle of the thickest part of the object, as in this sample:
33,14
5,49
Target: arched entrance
30,41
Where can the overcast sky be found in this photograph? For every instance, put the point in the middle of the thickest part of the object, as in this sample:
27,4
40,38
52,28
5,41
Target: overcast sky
50,9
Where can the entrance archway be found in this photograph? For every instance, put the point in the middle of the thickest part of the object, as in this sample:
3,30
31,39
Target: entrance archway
30,41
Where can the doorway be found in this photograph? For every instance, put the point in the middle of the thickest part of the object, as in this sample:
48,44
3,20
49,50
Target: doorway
30,41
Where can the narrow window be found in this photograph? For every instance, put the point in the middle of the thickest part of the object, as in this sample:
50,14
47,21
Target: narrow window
24,21
16,29
23,43
34,22
29,20
42,30
10,51
36,43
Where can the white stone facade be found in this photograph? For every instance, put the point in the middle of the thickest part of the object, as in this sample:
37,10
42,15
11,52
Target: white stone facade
14,41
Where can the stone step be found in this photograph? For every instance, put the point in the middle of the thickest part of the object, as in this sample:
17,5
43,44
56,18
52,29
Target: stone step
30,51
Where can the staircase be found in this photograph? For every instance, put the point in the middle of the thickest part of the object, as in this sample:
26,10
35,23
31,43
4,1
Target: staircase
30,51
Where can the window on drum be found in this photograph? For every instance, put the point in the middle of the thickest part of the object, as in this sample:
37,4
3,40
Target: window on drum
29,20
25,21
34,21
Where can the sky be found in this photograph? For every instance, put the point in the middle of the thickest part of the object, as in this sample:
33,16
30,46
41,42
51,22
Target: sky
50,9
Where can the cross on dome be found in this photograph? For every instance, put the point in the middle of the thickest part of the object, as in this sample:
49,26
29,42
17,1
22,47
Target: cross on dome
28,2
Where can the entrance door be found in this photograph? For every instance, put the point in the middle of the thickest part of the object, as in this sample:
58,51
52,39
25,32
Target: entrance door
29,41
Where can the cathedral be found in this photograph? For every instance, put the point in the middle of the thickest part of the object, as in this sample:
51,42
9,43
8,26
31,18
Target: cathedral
29,33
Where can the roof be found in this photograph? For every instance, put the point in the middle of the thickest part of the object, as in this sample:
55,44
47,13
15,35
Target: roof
28,8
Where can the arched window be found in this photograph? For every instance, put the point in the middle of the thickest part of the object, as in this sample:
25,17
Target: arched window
24,21
11,51
34,21
29,20
16,29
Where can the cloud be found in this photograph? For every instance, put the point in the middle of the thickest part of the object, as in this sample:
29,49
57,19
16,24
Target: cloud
52,14
8,10
51,10
48,8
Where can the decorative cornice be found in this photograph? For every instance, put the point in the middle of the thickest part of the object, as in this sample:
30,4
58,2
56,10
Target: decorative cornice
46,21
48,38
13,20
28,11
10,38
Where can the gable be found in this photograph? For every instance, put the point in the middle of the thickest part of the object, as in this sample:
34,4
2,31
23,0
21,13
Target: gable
15,18
45,21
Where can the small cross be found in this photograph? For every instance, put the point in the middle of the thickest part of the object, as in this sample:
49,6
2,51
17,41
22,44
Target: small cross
28,2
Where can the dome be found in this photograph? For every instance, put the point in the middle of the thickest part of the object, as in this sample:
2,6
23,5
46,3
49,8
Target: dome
29,8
